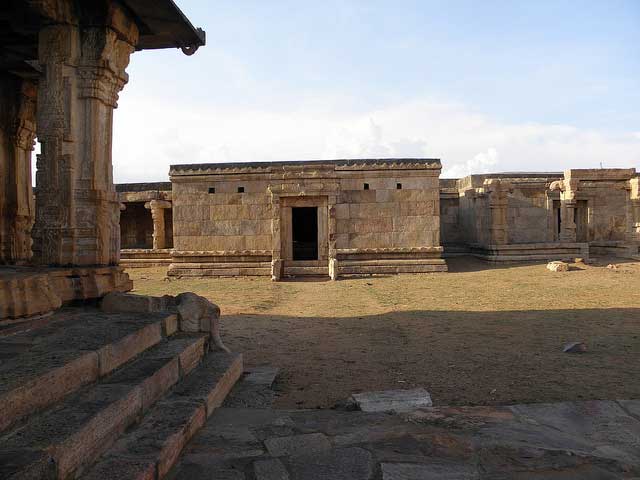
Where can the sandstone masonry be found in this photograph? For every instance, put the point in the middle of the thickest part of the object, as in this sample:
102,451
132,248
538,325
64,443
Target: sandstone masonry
373,216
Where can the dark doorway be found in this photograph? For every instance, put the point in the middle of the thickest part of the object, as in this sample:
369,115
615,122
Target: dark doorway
304,227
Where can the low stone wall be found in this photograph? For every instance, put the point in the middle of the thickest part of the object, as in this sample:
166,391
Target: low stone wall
376,261
145,257
35,291
220,264
531,252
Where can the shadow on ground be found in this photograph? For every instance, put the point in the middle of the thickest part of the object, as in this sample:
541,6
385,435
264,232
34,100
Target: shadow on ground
461,357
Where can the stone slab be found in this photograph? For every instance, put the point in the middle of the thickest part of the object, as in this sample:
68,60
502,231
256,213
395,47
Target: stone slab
339,464
297,444
272,469
413,471
393,400
261,375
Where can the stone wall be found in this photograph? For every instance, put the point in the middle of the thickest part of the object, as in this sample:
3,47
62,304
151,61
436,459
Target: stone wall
530,213
401,211
221,219
542,211
233,213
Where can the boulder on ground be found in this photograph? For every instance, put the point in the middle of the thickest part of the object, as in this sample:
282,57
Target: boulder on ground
558,266
612,266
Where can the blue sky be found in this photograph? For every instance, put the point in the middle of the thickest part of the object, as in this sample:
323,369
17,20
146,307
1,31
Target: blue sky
485,86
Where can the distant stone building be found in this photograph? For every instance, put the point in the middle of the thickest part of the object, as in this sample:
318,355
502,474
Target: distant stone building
540,216
146,223
353,217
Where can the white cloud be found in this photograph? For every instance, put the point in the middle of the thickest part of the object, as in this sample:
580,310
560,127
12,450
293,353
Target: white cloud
483,162
149,136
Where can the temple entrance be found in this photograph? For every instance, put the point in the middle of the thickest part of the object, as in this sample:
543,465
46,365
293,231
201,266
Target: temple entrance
304,229
581,218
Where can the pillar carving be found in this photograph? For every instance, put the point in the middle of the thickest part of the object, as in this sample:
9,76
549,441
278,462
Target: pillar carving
497,191
568,189
157,208
17,135
77,208
333,257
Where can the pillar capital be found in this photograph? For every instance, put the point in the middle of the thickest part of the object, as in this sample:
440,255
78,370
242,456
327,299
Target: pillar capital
157,204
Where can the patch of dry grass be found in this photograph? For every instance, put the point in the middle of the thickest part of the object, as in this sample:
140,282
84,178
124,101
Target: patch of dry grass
477,335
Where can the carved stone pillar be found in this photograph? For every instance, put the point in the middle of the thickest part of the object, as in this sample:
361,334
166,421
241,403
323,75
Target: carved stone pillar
17,134
77,208
568,189
498,191
157,208
333,257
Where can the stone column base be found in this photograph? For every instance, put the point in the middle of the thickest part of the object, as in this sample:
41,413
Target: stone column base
31,291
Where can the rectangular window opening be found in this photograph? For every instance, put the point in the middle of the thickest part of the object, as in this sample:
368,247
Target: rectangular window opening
240,189
366,186
398,186
212,189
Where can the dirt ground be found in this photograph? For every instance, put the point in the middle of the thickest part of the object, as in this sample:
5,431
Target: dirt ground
479,335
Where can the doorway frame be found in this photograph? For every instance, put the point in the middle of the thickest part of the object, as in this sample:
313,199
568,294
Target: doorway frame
286,231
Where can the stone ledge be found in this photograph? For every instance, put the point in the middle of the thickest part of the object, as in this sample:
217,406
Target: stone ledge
32,290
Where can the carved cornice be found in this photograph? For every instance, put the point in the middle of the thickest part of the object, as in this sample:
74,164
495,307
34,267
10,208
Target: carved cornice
220,253
284,167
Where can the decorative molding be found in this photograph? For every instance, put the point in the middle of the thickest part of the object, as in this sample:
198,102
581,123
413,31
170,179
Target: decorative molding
220,253
283,167
351,251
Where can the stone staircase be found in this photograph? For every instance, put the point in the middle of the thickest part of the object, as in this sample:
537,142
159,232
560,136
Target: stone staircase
98,395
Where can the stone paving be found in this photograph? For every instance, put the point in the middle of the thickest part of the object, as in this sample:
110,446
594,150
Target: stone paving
586,440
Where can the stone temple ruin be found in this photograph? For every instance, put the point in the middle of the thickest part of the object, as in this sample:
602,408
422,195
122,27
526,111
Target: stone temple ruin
354,217
117,386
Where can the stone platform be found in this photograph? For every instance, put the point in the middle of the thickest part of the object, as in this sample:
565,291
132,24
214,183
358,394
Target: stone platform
145,257
585,440
26,291
530,252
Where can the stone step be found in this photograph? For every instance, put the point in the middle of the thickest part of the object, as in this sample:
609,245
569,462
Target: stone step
150,450
301,271
60,442
41,365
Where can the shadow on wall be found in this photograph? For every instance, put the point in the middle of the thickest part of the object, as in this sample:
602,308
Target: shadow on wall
461,357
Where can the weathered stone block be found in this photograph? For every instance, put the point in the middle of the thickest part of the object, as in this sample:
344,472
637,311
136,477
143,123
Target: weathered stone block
558,266
272,469
393,400
297,444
